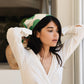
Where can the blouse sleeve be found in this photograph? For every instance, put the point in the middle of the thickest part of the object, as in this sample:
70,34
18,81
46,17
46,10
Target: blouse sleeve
76,34
14,37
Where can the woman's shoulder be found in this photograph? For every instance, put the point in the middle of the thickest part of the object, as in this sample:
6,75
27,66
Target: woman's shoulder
29,52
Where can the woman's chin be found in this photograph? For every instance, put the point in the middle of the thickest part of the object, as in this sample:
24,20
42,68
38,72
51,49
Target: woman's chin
53,45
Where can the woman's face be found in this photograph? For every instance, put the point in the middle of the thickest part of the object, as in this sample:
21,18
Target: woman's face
49,35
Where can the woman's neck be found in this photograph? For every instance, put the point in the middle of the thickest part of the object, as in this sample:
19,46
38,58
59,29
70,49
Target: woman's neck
44,53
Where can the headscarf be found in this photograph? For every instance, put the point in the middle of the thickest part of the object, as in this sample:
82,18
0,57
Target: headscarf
31,22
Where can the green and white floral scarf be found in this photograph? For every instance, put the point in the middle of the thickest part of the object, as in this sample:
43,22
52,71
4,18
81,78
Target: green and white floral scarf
31,22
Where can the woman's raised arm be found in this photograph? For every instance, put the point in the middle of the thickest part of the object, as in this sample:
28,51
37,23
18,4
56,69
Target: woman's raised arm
76,34
14,37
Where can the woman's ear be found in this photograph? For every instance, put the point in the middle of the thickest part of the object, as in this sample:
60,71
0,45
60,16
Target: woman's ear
38,34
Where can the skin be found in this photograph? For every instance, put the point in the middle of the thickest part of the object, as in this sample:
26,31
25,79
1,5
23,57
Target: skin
49,37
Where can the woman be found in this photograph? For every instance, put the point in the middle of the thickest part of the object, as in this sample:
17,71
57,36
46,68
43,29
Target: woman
41,62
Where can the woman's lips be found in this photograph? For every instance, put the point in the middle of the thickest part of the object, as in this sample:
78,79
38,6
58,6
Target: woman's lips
54,40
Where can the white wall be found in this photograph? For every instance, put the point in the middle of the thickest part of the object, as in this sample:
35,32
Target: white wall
78,52
65,11
83,43
10,77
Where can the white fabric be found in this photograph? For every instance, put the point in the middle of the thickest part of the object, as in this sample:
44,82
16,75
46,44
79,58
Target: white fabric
29,63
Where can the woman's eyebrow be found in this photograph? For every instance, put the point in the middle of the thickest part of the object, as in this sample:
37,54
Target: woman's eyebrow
49,27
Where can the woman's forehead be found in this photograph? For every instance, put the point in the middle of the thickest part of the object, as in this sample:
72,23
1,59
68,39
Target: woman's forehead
51,25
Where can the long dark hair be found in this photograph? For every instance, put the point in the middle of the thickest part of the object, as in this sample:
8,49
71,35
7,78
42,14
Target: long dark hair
35,44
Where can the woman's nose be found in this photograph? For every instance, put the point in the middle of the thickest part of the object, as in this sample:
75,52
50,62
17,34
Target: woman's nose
55,34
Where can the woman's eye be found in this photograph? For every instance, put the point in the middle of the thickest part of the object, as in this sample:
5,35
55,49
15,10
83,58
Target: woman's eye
50,30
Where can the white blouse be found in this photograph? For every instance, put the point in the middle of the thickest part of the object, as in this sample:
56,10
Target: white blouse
32,71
